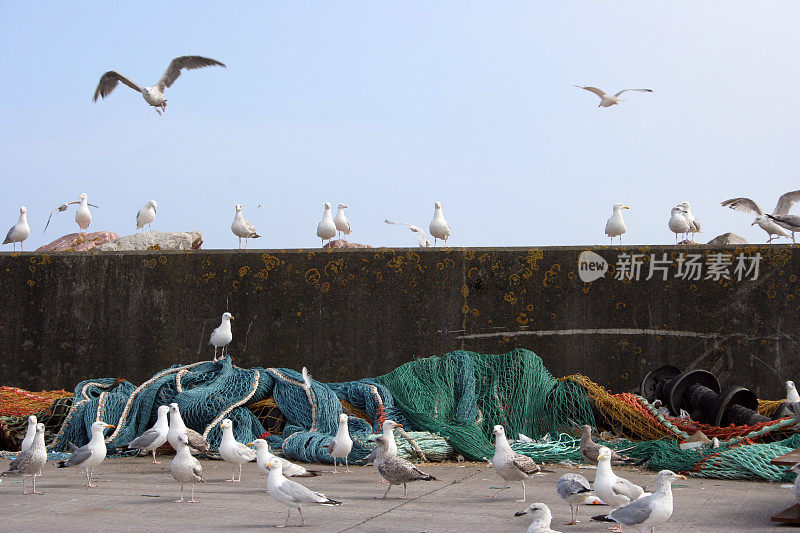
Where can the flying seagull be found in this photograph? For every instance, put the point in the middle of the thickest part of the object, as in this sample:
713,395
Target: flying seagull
422,238
153,95
606,100
746,205
61,209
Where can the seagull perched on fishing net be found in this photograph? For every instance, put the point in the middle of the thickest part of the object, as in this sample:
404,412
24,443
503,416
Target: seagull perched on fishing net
763,219
422,238
153,95
222,335
615,226
607,100
61,209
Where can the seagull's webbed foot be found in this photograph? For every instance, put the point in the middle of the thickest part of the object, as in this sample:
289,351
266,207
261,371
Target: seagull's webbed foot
571,523
179,501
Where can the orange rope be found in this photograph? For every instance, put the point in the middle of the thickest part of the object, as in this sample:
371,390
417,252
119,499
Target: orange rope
19,402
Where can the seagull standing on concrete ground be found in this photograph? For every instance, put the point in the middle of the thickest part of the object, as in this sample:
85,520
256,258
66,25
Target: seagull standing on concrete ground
185,468
155,437
678,222
30,461
222,335
438,226
154,95
292,494
422,238
90,456
83,217
746,205
339,447
264,456
694,223
541,518
146,215
234,452
510,465
651,510
791,395
341,222
395,470
326,229
615,226
19,231
242,228
30,434
177,428
575,490
607,100
796,470
612,489
391,446
590,449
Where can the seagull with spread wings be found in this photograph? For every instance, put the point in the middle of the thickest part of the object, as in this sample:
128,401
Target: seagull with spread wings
422,238
764,220
154,95
607,100
61,209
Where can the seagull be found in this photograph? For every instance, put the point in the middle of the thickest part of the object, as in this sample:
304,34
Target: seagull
541,518
185,468
326,229
222,335
155,437
341,222
232,451
83,217
61,209
615,226
606,100
395,470
694,224
19,231
574,489
651,510
177,428
146,215
264,456
678,222
91,455
791,397
746,205
30,461
30,434
242,228
590,449
438,227
510,465
422,238
790,222
340,445
153,95
391,446
612,489
292,494
795,469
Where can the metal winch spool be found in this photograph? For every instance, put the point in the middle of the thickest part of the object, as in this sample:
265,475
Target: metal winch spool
699,393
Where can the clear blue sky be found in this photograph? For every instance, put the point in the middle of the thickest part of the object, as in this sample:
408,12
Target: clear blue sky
391,106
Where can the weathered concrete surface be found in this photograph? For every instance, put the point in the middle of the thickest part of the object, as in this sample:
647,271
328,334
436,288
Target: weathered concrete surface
135,495
354,313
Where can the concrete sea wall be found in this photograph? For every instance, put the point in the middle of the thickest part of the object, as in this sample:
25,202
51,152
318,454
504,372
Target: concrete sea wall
349,314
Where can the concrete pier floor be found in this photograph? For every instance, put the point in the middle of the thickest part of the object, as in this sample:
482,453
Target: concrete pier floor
136,495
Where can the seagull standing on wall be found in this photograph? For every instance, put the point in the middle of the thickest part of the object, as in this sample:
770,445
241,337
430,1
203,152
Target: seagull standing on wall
61,209
678,223
242,228
83,217
615,226
607,100
438,227
146,215
222,335
153,95
341,222
326,229
19,231
694,223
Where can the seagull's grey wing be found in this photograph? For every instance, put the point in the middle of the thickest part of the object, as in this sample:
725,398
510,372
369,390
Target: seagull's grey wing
144,440
595,90
397,223
300,494
372,456
197,468
59,209
634,513
196,440
627,489
792,220
245,452
79,456
785,202
744,205
640,90
525,464
92,205
8,235
570,484
108,83
20,460
332,445
184,62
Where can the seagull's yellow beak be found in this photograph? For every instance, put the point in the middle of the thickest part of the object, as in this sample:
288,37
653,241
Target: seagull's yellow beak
679,476
249,443
625,207
269,464
398,425
110,426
